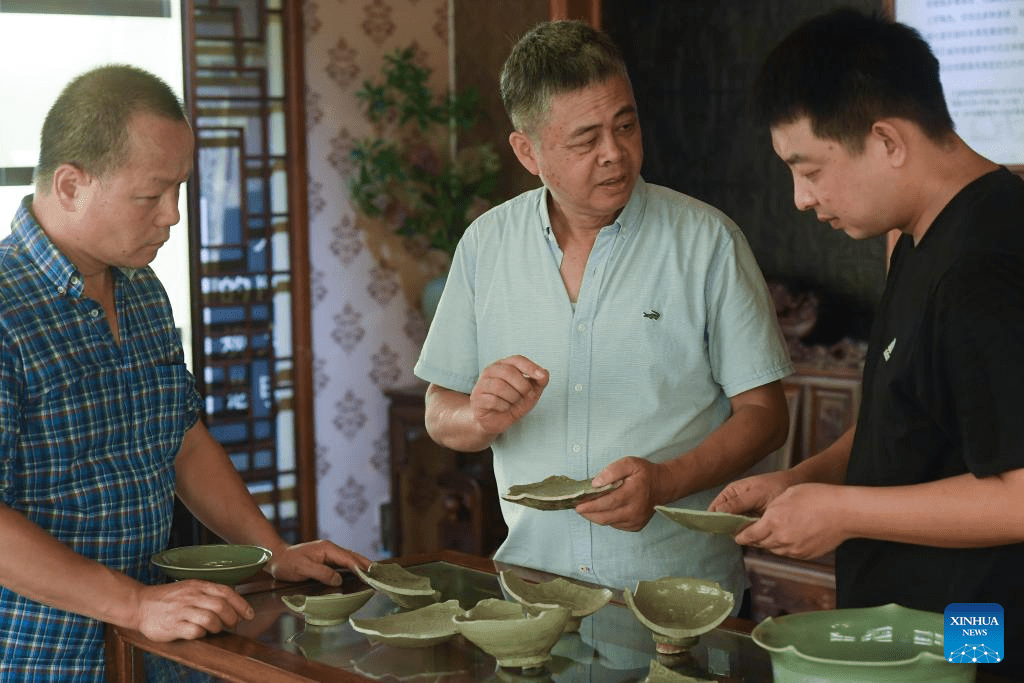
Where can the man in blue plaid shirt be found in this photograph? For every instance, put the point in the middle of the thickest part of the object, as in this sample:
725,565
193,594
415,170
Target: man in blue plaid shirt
98,415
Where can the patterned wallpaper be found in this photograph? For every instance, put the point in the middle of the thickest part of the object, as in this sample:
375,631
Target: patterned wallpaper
367,329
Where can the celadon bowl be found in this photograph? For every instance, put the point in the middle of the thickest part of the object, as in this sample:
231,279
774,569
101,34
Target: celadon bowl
405,589
889,643
678,611
327,610
220,563
582,601
423,627
499,628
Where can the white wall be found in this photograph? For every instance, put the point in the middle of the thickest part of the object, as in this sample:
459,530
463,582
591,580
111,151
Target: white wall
39,54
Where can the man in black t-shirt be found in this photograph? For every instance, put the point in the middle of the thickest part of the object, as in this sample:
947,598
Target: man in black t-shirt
923,500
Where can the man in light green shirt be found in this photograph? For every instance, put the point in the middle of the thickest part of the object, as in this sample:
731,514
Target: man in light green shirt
601,327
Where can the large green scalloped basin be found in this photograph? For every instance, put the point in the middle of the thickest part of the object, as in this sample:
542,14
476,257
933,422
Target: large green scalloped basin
886,644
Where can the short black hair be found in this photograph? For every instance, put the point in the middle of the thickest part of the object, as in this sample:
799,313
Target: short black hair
552,58
844,71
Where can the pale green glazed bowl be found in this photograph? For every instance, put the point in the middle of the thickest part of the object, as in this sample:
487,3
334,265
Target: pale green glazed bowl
327,610
678,611
499,628
886,644
582,601
220,563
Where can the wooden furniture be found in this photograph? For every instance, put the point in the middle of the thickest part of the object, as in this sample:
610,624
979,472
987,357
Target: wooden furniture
440,499
276,646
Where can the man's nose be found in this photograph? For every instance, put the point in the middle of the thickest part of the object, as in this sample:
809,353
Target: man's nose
169,213
802,196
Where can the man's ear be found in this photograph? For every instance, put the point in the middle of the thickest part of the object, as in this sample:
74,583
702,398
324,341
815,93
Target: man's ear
522,146
71,186
891,140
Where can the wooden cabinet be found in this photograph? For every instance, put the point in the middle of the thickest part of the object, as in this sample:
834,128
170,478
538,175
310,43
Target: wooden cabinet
784,586
440,499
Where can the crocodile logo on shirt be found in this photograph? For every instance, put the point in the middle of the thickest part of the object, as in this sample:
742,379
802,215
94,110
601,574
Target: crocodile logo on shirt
888,349
652,314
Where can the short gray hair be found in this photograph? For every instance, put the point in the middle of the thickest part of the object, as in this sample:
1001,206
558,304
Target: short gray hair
87,125
552,58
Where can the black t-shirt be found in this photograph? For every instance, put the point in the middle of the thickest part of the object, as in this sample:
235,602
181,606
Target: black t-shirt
942,396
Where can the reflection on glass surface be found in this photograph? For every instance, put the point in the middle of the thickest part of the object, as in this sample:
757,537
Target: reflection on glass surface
611,646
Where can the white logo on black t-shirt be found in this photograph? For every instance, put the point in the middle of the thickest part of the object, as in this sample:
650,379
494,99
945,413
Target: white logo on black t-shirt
888,349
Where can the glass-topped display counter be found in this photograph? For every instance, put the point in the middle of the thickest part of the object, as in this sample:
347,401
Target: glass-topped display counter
611,646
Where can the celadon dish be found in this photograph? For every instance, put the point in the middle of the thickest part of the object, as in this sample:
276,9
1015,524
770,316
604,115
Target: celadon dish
724,523
329,609
423,627
678,611
405,589
221,563
582,601
499,628
885,644
556,493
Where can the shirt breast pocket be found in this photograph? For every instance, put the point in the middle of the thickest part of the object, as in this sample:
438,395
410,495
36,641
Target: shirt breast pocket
160,403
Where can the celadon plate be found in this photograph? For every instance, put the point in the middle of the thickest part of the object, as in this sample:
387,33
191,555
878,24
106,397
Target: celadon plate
556,493
220,563
327,610
860,645
724,523
582,601
421,627
679,610
406,589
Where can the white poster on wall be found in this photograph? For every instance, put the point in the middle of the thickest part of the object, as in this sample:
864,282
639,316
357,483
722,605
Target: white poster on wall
980,48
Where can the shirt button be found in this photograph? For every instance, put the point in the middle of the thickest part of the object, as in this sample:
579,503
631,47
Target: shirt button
581,327
578,387
576,448
61,290
74,279
585,569
95,312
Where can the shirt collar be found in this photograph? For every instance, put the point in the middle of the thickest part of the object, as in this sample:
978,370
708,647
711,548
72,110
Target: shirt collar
54,265
627,222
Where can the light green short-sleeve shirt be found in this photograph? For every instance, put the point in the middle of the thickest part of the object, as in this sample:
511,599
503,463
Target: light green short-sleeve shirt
673,318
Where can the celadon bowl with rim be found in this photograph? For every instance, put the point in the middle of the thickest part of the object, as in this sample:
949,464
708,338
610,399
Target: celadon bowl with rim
678,611
405,589
885,644
499,628
328,609
224,563
581,600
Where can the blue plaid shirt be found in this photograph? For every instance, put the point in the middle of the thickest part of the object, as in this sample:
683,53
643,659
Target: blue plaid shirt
89,430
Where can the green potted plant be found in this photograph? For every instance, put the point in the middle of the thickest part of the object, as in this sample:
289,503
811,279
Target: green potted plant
410,173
